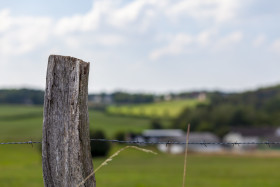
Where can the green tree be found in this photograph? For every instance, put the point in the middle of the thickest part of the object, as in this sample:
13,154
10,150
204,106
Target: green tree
99,148
156,124
120,136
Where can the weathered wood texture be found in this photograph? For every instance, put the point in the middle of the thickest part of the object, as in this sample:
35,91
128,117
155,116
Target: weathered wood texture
66,153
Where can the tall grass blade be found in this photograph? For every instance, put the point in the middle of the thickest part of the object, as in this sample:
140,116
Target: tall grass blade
111,158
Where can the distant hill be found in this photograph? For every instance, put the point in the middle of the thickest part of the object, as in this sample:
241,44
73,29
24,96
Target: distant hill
223,111
36,97
161,109
226,110
21,96
264,97
258,98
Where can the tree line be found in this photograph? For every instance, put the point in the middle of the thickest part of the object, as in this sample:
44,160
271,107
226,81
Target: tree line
36,97
226,110
21,96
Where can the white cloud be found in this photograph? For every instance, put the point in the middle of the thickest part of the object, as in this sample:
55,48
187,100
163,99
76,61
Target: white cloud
5,20
205,37
86,22
110,39
116,14
79,41
122,16
185,43
228,41
22,34
258,41
137,14
154,28
276,46
217,10
29,33
176,46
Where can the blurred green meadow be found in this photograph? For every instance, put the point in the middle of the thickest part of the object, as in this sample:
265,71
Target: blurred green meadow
20,165
163,109
19,122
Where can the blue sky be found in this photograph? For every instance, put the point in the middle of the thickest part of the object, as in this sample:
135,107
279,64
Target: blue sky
144,45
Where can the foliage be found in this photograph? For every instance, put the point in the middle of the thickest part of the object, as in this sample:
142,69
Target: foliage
21,96
249,109
99,148
30,96
125,98
120,135
156,124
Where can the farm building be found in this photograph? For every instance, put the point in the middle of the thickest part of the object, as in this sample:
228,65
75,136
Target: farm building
204,137
262,134
165,135
175,135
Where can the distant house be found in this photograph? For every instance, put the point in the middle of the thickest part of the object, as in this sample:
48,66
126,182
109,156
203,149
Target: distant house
101,99
108,99
257,135
201,97
165,135
234,137
175,135
97,99
157,134
168,97
200,137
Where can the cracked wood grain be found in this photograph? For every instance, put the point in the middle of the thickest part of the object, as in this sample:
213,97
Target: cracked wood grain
66,156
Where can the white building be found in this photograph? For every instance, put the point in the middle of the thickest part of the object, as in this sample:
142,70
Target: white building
175,135
257,134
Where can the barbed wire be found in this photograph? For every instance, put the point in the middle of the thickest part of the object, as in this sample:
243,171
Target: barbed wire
28,142
203,143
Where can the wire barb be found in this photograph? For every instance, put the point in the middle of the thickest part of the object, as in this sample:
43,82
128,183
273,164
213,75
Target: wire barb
204,143
268,144
30,142
168,143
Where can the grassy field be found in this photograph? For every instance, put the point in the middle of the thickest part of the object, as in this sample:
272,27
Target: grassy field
112,124
165,109
25,122
20,165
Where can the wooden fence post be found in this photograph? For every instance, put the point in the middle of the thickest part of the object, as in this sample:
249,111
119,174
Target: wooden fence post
66,156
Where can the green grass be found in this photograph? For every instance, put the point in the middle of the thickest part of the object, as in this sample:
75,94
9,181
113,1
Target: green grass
25,123
112,124
20,165
165,109
134,168
18,110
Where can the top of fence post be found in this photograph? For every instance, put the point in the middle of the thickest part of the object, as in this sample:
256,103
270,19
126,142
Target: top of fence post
66,154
